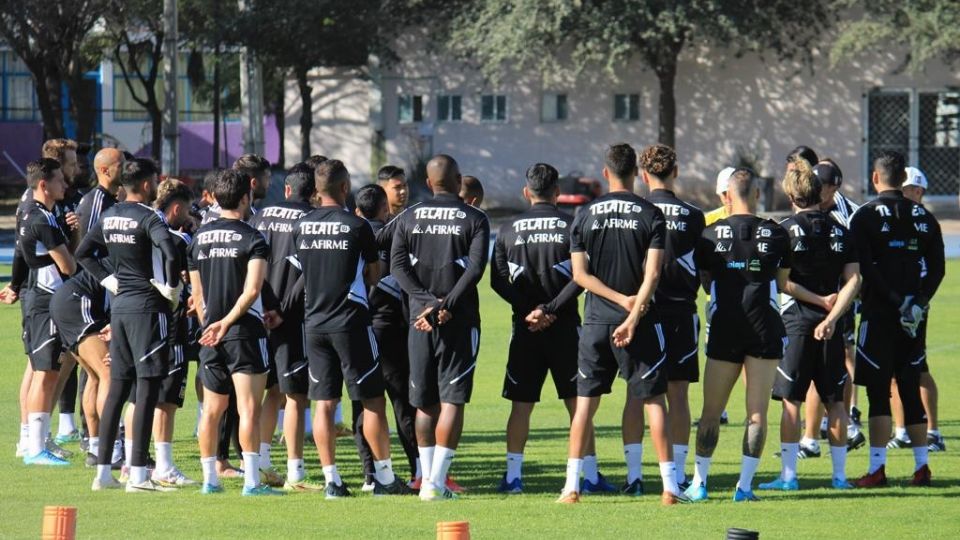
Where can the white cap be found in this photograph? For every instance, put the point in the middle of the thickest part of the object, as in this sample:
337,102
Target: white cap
723,178
915,177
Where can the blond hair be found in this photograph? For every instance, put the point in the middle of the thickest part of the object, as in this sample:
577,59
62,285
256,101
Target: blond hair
172,190
801,185
56,148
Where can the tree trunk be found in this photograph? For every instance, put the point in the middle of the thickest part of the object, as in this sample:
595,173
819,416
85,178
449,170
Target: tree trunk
667,106
156,129
83,106
216,106
281,122
306,112
48,99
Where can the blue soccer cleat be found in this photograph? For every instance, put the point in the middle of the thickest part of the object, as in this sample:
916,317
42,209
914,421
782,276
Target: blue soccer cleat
210,489
781,485
513,487
744,496
696,493
45,457
260,490
600,486
841,484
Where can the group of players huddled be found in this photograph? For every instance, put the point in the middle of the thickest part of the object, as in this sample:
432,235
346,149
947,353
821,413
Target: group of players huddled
286,304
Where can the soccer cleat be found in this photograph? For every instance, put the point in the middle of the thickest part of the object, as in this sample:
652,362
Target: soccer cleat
856,441
855,417
841,484
116,459
634,488
600,486
935,443
897,442
302,485
172,478
210,489
271,477
453,486
569,497
55,449
336,491
513,487
45,457
261,490
875,479
85,443
437,494
72,437
744,496
683,485
90,461
781,485
397,487
696,493
724,418
809,451
148,486
367,486
101,486
670,499
921,478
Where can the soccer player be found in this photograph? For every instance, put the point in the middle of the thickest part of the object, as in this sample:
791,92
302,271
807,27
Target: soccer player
227,264
471,191
394,181
530,269
146,285
902,261
439,252
676,294
739,259
914,188
257,169
724,210
616,245
44,250
822,258
276,223
338,256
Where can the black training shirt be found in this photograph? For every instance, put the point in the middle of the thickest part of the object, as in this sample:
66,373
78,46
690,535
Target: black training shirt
680,280
276,223
220,252
39,233
531,263
92,206
615,231
333,248
386,297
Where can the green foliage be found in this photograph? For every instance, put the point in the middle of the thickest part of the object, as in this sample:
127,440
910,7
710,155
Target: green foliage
926,29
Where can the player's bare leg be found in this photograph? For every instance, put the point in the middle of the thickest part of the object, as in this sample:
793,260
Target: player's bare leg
718,380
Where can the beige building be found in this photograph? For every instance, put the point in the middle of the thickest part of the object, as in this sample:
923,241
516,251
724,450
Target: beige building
726,107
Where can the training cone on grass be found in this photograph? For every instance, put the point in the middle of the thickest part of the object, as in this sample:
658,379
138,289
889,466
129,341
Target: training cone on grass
453,530
742,534
59,523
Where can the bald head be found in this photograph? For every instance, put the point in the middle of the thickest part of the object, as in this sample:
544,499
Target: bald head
107,165
443,174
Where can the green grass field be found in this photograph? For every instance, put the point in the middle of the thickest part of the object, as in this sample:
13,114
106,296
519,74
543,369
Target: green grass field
814,512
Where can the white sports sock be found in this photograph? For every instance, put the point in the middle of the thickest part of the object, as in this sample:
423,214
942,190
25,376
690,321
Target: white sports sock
127,451
514,466
138,475
295,471
419,472
878,458
66,425
46,428
104,474
901,433
633,454
307,422
24,435
93,446
788,457
35,442
442,459
117,451
383,471
680,452
164,458
668,473
748,468
426,462
824,425
934,432
838,455
920,454
591,471
251,469
701,470
209,467
330,475
574,467
265,462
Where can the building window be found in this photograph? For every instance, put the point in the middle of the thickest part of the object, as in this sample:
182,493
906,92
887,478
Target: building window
18,98
493,108
410,109
553,107
449,108
626,107
922,125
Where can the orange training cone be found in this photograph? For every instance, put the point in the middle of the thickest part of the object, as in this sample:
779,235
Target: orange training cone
453,530
59,523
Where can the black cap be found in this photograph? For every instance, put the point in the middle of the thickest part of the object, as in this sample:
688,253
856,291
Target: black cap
828,174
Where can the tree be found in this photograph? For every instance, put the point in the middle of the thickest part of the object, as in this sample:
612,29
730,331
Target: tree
48,36
927,29
555,36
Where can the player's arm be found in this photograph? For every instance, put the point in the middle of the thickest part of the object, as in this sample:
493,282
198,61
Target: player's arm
860,226
196,293
161,238
478,255
846,296
370,255
402,270
18,275
652,268
569,292
57,249
216,330
591,283
89,252
936,265
500,275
